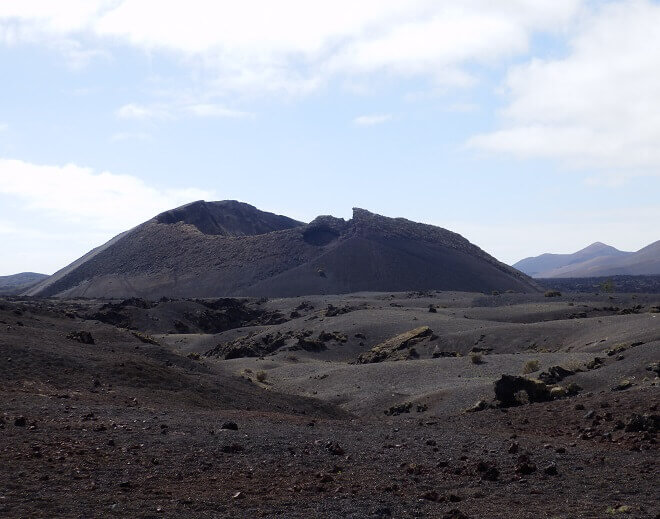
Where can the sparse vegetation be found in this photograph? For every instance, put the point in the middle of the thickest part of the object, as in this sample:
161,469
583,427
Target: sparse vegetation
476,358
530,367
262,376
552,293
607,286
623,509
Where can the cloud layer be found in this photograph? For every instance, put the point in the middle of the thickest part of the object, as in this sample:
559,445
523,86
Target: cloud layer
101,201
297,45
599,106
371,120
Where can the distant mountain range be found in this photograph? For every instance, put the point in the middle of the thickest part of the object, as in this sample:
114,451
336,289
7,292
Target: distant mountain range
229,248
596,260
17,283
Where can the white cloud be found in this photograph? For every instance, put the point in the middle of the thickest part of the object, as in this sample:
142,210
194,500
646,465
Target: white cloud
130,136
97,201
598,107
371,120
78,56
176,109
54,25
214,110
142,112
7,227
462,108
297,45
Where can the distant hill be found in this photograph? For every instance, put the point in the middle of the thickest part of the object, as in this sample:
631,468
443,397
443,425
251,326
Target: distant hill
597,260
210,249
639,284
17,283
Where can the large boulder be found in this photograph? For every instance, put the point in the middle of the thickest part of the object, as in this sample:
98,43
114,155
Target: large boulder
512,390
396,348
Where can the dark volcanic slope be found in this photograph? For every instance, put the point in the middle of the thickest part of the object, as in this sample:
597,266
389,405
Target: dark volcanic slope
228,248
228,218
17,283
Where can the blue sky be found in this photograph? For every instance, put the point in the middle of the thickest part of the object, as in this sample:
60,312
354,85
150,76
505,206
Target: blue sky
527,126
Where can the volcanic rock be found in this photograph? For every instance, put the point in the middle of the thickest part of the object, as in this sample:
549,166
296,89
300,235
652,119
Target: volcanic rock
396,348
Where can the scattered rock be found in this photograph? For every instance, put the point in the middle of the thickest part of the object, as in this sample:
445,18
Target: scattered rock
654,367
596,363
646,422
509,389
335,449
398,409
551,470
431,495
333,311
525,466
437,353
234,448
20,421
82,337
308,344
383,511
488,471
455,514
231,426
623,385
479,406
555,374
147,339
332,336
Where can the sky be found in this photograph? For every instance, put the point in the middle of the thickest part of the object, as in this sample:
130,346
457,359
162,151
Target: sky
528,126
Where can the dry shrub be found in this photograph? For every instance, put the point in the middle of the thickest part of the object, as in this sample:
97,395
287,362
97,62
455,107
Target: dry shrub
530,367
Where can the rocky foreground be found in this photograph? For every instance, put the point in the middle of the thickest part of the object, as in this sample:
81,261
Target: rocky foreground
105,419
